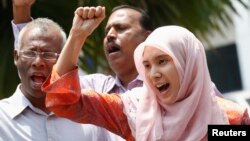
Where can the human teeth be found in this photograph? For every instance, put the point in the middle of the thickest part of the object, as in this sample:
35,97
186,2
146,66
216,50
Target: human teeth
159,85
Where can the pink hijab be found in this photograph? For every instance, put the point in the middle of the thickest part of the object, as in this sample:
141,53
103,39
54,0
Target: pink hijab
195,106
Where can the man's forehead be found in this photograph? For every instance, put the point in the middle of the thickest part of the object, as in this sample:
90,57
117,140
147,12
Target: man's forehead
125,12
123,16
37,38
37,32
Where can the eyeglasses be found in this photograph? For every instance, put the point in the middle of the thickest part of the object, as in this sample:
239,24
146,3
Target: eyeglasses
30,54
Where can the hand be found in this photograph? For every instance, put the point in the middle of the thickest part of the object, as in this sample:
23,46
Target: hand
23,2
86,20
246,118
22,10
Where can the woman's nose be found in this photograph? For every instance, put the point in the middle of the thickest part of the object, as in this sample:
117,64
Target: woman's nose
155,73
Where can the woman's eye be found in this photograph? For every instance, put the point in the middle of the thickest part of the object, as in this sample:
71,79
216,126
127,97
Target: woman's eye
146,65
162,61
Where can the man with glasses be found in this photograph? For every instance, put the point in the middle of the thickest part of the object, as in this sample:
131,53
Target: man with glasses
23,116
124,31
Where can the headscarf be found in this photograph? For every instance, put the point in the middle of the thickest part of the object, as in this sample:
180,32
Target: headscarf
195,106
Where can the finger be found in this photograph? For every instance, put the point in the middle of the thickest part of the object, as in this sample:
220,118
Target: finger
85,12
98,11
103,12
91,13
79,11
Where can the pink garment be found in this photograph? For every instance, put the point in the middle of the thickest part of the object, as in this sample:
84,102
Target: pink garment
196,105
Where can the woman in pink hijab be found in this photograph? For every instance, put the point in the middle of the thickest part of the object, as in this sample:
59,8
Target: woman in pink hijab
177,101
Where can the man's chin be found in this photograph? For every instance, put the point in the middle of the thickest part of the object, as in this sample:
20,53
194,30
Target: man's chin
36,86
37,93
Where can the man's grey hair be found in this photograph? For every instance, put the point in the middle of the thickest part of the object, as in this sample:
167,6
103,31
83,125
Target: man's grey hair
45,25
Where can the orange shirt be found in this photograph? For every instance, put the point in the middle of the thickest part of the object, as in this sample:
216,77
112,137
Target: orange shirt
65,98
102,110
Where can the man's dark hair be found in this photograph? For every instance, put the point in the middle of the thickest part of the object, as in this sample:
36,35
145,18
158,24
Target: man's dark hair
145,20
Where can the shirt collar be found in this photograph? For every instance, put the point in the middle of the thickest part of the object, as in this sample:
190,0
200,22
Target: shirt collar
18,103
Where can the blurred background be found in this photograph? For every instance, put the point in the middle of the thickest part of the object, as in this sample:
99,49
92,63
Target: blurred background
222,25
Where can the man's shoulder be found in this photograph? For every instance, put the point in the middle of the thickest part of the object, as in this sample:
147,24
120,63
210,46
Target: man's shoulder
4,101
5,106
97,78
99,82
9,104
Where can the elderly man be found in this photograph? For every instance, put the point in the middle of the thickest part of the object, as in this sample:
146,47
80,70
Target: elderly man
23,116
126,28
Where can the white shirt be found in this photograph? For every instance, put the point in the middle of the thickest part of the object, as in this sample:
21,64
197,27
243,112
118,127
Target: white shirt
21,121
55,128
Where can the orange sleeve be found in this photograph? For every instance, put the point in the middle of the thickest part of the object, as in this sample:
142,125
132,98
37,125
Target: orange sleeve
65,98
235,112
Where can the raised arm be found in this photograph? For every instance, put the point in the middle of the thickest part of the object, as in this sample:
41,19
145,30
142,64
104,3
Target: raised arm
22,11
21,16
65,98
63,93
85,21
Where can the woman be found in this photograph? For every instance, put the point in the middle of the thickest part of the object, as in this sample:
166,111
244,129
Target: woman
177,101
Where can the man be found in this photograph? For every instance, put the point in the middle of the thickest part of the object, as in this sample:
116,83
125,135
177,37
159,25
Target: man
124,31
127,27
23,116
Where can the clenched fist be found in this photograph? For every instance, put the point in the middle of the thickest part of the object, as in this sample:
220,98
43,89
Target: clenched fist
86,20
